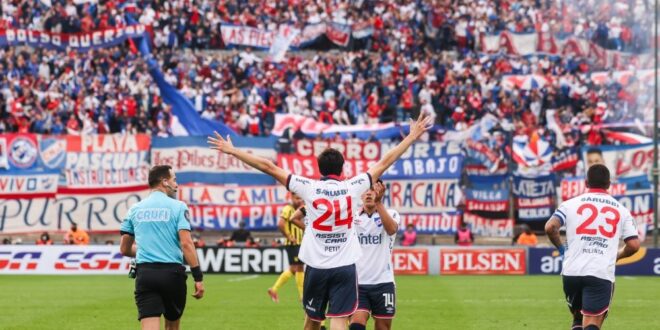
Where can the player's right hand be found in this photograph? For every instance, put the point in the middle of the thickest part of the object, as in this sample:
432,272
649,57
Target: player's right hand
421,125
219,143
199,290
379,188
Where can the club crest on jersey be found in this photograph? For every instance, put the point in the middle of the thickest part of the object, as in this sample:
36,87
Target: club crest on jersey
378,221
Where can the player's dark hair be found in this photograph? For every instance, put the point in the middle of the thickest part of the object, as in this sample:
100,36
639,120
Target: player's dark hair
594,151
331,162
157,174
598,176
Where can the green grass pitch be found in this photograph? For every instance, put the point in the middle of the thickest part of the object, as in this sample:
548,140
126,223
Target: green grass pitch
241,302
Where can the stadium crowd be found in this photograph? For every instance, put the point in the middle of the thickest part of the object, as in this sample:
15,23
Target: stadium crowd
396,73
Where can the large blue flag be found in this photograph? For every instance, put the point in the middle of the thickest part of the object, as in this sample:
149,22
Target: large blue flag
186,120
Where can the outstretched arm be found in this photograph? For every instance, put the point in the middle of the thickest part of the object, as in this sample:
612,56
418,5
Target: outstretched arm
423,123
217,142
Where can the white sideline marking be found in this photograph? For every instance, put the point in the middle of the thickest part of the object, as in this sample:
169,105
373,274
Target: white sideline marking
630,278
243,278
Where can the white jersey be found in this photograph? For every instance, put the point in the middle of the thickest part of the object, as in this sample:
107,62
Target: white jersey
595,223
330,239
375,265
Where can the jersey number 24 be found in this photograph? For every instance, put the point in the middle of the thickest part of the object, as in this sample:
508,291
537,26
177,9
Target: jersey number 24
612,218
330,208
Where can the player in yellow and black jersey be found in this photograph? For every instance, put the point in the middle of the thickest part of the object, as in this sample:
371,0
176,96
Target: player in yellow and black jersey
294,236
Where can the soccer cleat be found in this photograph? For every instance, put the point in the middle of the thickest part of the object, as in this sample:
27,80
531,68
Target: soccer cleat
273,295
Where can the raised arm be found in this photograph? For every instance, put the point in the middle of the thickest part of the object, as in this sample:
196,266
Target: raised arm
262,164
417,128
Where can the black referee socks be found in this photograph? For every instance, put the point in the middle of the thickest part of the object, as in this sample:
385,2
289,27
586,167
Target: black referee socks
356,326
592,327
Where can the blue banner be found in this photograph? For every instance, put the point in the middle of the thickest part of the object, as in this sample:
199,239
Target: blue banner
534,197
195,162
437,167
547,261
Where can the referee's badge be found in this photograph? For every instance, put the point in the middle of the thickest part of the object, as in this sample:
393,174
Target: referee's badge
186,215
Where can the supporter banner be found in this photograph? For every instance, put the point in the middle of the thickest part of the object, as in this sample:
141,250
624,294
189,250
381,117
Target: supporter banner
311,128
106,161
214,260
228,217
627,163
195,162
53,151
234,35
410,261
482,261
417,196
480,177
198,194
480,153
538,44
62,260
19,151
534,197
362,29
350,150
81,42
27,184
423,160
565,159
576,186
489,227
427,162
486,200
4,153
338,33
432,223
93,211
645,262
640,203
308,166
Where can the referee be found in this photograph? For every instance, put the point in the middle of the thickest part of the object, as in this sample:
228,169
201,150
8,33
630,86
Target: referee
160,226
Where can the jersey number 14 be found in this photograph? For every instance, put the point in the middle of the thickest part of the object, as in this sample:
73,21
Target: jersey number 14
612,218
333,208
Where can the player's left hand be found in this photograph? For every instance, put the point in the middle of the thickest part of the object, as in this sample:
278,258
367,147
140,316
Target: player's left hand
219,143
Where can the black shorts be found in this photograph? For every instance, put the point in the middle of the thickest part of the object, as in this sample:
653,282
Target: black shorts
333,288
378,299
292,251
588,294
160,289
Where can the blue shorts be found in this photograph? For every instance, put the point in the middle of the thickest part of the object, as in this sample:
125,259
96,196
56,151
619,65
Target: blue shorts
588,295
333,288
378,299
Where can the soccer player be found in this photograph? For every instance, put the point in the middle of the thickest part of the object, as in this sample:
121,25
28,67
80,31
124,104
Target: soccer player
160,226
376,227
330,247
293,236
595,222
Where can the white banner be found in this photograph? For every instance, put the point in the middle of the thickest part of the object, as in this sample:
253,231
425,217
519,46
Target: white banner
92,211
62,260
29,185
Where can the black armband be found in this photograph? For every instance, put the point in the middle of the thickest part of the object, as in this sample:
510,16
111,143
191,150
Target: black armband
197,273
